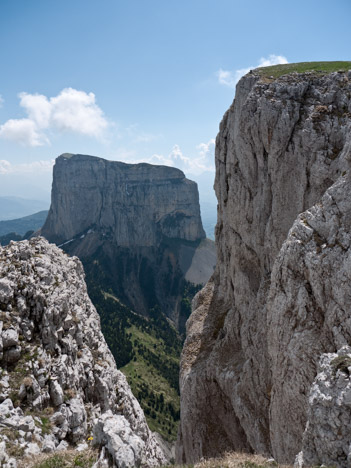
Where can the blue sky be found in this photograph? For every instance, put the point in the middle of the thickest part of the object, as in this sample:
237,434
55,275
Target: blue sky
137,80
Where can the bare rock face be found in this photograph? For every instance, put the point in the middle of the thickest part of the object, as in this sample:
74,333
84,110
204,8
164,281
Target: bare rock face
308,315
137,203
59,384
255,337
139,224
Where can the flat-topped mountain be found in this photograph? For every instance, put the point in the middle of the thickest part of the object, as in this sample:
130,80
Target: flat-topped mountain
132,204
141,222
138,231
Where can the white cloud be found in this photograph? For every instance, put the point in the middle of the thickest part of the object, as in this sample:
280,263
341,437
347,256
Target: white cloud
25,168
70,111
207,153
230,78
1,100
22,131
203,161
37,107
5,167
77,111
272,60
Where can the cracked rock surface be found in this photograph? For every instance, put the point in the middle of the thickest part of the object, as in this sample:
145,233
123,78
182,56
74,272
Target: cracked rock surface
273,305
59,384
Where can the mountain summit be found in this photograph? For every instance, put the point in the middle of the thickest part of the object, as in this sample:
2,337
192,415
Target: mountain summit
141,223
135,205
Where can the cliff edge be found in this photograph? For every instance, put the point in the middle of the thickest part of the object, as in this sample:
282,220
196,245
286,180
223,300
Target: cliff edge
278,300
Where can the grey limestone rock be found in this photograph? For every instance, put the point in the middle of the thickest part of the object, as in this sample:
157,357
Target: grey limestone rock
136,203
308,315
140,222
64,377
9,338
327,437
252,347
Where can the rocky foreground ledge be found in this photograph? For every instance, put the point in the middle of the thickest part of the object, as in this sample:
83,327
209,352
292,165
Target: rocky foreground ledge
59,385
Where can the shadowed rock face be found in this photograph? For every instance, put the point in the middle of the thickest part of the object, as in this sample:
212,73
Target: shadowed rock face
138,225
136,204
247,367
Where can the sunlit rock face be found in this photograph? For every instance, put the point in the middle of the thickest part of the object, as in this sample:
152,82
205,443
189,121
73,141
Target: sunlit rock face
278,300
59,385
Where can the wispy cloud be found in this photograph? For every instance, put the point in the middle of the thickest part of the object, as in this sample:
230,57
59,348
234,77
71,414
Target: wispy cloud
202,161
272,60
1,101
25,168
70,111
133,131
230,78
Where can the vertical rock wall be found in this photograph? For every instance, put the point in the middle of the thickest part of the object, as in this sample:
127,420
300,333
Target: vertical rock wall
281,144
136,204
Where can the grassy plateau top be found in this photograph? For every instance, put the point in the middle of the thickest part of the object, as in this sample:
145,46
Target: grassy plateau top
323,68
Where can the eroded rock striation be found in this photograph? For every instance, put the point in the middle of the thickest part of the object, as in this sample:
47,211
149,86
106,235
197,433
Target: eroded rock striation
59,385
279,297
141,222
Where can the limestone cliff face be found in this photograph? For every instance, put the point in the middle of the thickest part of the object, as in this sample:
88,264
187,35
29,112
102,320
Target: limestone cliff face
137,204
255,337
59,384
309,315
141,223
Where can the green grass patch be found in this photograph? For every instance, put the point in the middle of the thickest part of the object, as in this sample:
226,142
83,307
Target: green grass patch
45,425
68,459
321,68
57,461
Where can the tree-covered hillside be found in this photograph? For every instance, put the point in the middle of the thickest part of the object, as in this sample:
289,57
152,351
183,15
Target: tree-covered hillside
146,349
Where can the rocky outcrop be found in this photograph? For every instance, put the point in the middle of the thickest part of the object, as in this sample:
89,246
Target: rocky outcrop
326,440
59,385
274,304
139,223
